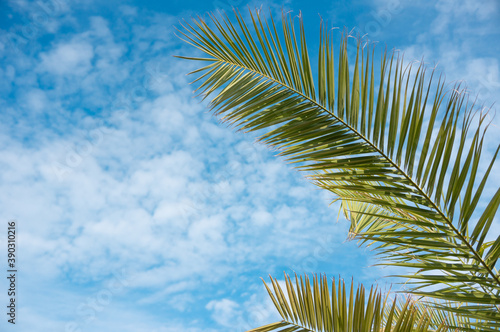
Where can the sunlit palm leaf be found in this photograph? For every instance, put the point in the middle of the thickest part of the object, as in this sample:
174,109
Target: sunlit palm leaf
306,307
393,145
439,318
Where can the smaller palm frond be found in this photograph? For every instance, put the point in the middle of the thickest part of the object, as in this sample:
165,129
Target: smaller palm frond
441,314
315,307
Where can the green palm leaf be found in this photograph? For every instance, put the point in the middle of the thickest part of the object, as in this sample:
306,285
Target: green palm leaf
393,146
315,307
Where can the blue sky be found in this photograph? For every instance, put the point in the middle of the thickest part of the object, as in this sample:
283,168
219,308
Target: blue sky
139,211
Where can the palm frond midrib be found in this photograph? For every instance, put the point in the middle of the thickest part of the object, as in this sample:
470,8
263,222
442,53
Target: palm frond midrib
379,151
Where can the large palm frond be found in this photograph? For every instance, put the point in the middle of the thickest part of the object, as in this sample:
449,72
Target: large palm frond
384,137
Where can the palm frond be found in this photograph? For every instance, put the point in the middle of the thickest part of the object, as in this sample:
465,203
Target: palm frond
384,137
314,308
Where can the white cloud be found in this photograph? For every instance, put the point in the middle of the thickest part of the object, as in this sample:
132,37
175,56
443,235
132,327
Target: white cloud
72,58
36,100
464,11
128,10
254,309
225,311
